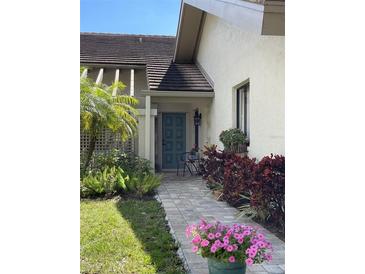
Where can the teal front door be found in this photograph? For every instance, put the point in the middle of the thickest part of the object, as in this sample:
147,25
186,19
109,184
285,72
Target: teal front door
173,138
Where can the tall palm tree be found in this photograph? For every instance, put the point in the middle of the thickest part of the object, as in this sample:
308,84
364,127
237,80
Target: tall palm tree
99,110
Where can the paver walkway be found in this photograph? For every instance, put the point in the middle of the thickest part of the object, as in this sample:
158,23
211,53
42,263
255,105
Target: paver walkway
186,200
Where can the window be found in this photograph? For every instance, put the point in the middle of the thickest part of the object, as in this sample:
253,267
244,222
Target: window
243,109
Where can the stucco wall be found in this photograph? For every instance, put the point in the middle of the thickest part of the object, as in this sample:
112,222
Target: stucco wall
231,56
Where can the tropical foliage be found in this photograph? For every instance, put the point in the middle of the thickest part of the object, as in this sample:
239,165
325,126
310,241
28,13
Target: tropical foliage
141,184
107,182
212,164
256,188
133,164
268,189
100,109
115,172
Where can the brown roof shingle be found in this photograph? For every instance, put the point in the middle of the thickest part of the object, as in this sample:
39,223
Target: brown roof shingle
156,52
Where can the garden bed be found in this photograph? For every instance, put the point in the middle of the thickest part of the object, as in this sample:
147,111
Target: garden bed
126,235
255,187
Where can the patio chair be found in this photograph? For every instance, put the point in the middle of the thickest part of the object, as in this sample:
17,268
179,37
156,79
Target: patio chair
189,161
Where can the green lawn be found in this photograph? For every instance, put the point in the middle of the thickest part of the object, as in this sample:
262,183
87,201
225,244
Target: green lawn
126,236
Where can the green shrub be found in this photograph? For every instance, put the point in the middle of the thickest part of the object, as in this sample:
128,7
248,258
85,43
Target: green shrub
141,184
103,183
133,164
233,140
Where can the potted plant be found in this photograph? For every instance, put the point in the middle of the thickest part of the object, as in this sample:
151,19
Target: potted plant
234,140
229,248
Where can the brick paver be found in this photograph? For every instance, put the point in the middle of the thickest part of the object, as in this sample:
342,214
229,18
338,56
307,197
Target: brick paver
186,200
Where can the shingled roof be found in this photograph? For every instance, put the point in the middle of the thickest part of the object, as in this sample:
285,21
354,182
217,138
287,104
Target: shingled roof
156,52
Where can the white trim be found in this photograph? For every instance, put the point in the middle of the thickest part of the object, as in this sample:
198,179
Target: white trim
177,45
84,73
111,65
142,112
147,143
115,81
162,93
99,79
132,83
245,15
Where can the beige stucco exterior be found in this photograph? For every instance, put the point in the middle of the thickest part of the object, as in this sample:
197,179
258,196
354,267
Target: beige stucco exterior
231,56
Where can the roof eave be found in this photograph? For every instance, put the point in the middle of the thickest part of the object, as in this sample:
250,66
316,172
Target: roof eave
178,93
263,19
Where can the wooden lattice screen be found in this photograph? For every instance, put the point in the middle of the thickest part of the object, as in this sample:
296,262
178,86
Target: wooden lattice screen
107,142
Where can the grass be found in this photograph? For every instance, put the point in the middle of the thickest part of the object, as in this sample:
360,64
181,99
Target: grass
126,236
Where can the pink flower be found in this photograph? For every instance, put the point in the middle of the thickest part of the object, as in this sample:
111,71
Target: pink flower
260,236
196,239
213,249
253,247
268,257
226,238
261,244
210,236
229,248
249,261
231,259
195,248
236,236
235,247
252,254
246,233
204,243
240,241
217,235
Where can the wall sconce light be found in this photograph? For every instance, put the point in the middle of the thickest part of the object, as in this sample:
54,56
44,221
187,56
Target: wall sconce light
197,118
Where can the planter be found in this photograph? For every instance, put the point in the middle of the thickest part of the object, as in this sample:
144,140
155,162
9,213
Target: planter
217,267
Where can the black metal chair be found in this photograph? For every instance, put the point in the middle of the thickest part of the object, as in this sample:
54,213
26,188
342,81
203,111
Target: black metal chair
188,160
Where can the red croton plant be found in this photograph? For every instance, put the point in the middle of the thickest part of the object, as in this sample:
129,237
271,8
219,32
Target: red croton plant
268,189
238,176
262,182
213,164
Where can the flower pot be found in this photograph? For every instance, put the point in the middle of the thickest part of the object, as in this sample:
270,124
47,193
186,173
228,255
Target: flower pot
217,267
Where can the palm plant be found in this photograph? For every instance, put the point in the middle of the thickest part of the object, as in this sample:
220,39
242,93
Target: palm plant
100,110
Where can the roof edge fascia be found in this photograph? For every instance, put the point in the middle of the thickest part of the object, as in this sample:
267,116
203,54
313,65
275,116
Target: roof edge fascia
177,93
243,14
112,65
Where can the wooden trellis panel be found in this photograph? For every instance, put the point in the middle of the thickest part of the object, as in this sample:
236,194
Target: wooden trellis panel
107,142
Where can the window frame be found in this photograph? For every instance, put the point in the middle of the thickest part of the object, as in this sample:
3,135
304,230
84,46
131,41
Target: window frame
243,109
